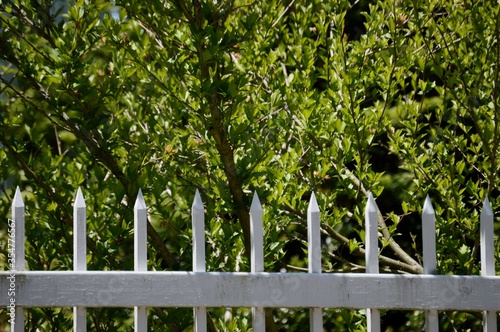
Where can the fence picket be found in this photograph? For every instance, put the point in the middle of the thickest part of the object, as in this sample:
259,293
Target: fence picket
140,255
198,221
257,257
429,253
487,259
19,265
79,254
314,256
371,256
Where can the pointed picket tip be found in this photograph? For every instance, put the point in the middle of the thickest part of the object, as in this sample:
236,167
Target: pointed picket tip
18,199
486,210
197,202
256,206
313,204
428,209
79,201
140,204
371,206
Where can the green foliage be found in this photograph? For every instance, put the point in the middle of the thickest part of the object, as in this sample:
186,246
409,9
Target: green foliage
399,98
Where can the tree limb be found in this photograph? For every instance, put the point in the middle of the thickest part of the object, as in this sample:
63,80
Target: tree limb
395,264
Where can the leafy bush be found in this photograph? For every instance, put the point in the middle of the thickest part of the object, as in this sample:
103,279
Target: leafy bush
399,98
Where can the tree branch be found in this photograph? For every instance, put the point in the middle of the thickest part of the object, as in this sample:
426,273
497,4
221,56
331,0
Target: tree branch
395,264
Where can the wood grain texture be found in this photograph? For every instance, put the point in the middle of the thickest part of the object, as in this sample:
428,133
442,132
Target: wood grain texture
243,289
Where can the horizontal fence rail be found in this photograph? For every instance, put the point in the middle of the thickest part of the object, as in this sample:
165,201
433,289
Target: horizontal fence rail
256,289
246,289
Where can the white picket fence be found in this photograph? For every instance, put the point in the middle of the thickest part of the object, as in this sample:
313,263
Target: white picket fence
257,289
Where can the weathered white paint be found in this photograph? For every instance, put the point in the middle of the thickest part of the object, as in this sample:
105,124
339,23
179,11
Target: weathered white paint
257,257
246,289
314,257
140,234
19,255
429,257
79,233
198,224
371,257
140,255
314,236
18,218
429,237
79,254
487,259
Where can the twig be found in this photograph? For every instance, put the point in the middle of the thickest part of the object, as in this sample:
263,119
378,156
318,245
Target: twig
282,14
398,265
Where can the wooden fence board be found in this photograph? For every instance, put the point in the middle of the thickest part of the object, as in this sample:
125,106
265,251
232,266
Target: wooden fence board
429,257
79,254
257,257
487,258
19,254
140,255
314,257
371,253
245,289
198,224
